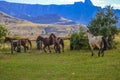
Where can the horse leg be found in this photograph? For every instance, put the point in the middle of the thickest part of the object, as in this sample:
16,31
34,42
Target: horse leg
58,48
99,53
27,47
14,48
44,49
91,50
24,48
62,48
55,48
49,49
102,52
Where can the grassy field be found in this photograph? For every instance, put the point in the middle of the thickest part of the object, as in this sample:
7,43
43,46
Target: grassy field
70,65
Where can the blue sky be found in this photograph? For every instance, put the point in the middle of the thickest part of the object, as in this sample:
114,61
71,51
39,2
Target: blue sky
102,3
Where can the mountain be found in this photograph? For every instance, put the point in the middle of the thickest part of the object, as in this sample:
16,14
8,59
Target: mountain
80,12
48,19
25,28
6,19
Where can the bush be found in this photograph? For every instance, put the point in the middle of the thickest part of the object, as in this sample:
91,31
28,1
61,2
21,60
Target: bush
78,41
3,31
16,37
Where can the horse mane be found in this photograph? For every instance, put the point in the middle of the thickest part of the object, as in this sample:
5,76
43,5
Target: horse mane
8,39
39,38
90,33
53,35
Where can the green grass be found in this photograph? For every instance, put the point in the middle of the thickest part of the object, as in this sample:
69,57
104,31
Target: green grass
70,65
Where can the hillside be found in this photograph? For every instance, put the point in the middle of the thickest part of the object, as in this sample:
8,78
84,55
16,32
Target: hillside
81,12
6,19
25,28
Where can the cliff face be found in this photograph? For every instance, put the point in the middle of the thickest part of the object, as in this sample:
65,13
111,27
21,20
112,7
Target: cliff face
6,19
81,12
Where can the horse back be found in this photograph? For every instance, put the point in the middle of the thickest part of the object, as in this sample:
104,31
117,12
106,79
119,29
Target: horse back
96,40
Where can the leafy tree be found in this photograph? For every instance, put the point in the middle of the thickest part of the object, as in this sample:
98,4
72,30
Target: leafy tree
104,24
3,32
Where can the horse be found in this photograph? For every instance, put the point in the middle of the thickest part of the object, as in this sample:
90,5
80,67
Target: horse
96,41
24,42
57,41
45,41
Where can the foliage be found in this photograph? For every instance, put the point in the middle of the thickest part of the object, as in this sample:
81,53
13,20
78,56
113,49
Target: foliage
16,37
3,32
104,24
78,41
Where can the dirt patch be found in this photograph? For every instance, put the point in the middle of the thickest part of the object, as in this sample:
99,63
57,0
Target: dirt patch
36,51
4,56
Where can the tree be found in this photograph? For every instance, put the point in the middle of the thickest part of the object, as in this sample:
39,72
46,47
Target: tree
3,31
104,24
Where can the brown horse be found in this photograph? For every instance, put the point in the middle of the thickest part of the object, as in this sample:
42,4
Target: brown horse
57,41
24,42
45,41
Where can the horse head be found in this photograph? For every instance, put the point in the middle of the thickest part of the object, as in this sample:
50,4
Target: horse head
52,37
7,39
39,38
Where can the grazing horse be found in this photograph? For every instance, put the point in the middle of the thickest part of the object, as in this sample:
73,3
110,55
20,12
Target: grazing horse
24,42
45,41
97,41
57,41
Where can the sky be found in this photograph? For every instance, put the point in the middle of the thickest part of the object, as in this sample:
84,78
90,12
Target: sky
102,3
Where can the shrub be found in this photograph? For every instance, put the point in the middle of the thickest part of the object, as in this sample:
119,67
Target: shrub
78,41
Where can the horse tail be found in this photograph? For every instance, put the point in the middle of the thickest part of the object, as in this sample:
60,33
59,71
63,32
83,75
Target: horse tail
30,44
105,43
62,43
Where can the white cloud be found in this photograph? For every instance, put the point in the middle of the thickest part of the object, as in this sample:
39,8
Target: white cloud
116,6
70,1
102,3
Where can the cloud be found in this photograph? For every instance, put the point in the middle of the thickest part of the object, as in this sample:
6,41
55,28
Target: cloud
102,3
69,1
116,6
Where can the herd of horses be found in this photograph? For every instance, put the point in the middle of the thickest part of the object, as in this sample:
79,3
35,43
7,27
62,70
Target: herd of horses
94,41
27,44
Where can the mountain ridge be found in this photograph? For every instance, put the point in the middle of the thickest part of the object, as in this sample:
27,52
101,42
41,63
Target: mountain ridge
80,12
25,28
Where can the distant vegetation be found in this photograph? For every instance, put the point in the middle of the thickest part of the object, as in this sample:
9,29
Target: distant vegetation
105,23
3,32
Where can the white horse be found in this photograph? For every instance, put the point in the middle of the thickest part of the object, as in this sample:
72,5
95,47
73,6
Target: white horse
96,41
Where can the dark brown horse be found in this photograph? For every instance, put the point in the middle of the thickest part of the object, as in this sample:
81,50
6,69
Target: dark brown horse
57,41
24,42
45,41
